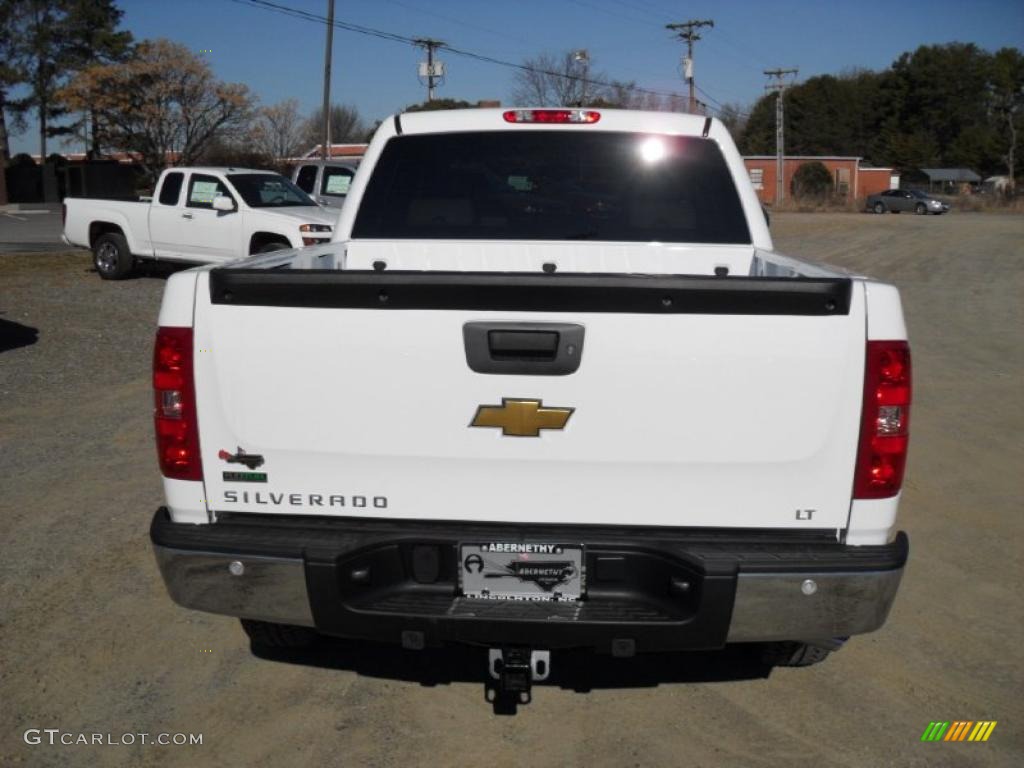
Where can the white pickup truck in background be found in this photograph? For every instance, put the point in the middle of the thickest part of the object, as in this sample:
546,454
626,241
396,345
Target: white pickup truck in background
549,387
326,181
201,215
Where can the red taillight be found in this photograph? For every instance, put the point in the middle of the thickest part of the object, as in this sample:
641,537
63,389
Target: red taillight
174,394
551,116
885,421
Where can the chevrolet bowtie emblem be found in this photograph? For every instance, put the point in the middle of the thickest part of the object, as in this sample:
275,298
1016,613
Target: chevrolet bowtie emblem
521,418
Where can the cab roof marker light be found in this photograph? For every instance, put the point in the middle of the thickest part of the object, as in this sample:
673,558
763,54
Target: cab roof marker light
585,116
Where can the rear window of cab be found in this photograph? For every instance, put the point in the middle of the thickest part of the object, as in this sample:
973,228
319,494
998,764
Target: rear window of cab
552,185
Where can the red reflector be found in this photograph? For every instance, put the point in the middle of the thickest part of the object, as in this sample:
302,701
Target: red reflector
551,116
885,421
174,397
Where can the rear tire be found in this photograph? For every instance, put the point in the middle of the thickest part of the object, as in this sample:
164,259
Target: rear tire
879,208
274,246
792,654
266,635
111,257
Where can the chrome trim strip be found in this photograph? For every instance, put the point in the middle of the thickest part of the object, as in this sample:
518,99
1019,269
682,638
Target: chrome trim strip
269,588
773,606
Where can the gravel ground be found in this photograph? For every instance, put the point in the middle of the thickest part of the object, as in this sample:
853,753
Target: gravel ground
90,642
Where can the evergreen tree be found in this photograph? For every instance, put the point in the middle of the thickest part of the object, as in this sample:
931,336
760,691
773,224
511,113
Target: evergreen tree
943,105
46,41
92,37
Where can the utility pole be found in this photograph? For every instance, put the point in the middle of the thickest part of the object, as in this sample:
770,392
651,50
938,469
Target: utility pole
431,70
582,58
779,83
687,31
325,146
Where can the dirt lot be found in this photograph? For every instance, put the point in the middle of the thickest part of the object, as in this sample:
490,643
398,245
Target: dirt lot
89,641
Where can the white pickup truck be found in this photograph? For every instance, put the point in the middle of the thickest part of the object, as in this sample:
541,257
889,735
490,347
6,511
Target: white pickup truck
549,387
327,181
201,215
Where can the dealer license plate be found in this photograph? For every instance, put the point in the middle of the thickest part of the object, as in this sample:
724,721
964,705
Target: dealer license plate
522,571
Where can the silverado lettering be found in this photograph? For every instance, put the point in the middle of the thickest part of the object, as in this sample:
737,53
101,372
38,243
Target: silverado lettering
300,499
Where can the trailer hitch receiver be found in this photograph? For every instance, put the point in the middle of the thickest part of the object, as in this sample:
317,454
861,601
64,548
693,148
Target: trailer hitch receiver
516,669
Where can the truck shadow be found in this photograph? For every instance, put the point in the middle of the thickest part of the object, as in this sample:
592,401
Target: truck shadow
579,671
14,335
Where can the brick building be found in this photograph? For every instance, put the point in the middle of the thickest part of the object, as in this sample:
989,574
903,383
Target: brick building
336,152
849,177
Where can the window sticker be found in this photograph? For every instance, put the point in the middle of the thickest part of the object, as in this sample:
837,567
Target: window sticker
203,192
338,184
520,183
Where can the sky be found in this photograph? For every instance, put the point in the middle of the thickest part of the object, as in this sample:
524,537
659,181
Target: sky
281,57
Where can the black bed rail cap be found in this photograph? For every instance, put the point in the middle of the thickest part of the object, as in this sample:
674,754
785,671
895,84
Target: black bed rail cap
530,292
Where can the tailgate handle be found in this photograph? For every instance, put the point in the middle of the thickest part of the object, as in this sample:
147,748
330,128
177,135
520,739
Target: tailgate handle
523,345
527,349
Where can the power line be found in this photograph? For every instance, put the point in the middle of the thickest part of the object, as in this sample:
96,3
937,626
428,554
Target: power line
454,20
609,12
411,41
743,50
650,13
741,55
309,16
651,8
718,106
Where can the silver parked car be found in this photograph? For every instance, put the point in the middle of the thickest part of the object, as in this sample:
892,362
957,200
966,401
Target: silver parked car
899,200
326,181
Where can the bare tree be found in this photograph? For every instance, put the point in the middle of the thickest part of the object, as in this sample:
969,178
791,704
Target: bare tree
1008,106
676,103
346,125
735,118
652,102
278,131
621,95
558,81
163,100
569,81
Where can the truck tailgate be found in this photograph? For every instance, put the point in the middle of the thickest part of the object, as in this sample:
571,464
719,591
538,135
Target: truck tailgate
697,402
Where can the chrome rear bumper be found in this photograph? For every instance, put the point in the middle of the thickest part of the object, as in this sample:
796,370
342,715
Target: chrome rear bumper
767,606
776,607
733,593
267,588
